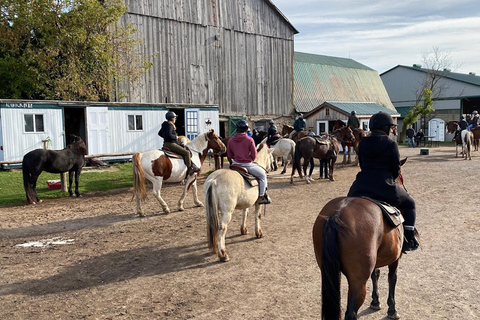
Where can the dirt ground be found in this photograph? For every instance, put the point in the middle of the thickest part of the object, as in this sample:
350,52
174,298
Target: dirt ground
115,265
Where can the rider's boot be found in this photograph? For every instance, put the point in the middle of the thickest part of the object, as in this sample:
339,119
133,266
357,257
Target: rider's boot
193,168
263,199
410,240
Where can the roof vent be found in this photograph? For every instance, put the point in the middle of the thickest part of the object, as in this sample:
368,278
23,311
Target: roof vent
472,73
417,65
446,70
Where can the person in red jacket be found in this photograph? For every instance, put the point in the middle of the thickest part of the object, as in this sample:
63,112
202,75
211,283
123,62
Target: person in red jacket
241,149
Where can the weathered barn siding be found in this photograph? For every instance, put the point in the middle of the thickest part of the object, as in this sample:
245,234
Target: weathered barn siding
235,54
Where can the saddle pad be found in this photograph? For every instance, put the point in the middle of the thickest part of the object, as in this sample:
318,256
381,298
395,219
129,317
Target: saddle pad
169,153
391,213
250,179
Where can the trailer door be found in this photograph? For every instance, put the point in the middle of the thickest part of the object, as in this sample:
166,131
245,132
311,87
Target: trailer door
97,127
191,123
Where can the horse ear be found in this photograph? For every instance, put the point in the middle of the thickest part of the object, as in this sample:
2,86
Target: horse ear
402,162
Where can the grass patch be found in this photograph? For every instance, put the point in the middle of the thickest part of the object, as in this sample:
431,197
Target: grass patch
91,179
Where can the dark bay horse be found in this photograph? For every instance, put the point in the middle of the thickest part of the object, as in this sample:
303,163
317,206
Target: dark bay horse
359,134
70,159
308,148
351,236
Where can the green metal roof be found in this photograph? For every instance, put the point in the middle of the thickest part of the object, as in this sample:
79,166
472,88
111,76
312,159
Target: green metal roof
328,61
361,108
403,111
470,78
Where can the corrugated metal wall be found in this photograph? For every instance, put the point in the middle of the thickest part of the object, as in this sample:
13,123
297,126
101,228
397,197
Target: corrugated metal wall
236,54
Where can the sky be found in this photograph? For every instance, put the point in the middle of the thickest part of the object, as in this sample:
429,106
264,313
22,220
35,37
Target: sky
386,33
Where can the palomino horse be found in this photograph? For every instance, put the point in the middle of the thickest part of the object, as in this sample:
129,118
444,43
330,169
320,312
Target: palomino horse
157,167
285,149
350,235
359,134
70,159
308,148
226,190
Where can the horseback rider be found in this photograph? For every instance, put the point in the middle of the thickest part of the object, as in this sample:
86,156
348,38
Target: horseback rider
379,160
170,140
353,121
298,125
241,149
256,137
272,134
474,121
462,125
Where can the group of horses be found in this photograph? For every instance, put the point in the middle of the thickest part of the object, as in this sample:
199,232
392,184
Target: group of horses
464,138
350,235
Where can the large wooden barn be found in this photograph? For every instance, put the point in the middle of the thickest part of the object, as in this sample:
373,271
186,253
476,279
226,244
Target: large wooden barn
234,54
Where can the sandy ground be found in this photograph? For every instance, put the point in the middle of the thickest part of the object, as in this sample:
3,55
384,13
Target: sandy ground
115,265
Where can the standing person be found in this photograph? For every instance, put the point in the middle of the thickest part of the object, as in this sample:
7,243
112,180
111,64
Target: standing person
410,133
419,137
379,160
324,167
170,140
241,149
353,121
299,125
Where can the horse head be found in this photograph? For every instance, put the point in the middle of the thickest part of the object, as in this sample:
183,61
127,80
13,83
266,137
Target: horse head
344,134
77,145
286,129
215,142
452,126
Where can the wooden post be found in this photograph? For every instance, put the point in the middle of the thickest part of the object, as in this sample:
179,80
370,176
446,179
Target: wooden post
63,180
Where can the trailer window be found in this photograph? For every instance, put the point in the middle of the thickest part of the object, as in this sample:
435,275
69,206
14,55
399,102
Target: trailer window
135,122
34,123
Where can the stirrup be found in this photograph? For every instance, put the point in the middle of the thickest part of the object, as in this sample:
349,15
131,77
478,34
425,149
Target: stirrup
263,200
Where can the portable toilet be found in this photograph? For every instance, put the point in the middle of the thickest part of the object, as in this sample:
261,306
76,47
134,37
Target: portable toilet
436,129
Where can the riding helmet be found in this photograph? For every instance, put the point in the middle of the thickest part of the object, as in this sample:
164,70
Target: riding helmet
353,112
300,115
170,115
380,120
474,112
242,126
271,121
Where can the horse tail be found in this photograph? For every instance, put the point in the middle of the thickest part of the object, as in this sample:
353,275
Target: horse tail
139,189
212,217
331,270
296,160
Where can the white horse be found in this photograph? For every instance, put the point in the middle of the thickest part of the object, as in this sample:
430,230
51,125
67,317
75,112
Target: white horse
226,190
467,138
157,167
284,148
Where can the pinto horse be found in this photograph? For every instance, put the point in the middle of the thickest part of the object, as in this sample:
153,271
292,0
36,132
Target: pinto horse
351,236
308,148
70,159
359,134
157,167
452,127
226,190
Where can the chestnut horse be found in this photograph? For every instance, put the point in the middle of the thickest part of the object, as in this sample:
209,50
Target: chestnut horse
308,148
157,167
351,236
287,129
359,134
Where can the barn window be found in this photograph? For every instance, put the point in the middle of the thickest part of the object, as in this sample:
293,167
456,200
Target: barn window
135,122
327,111
34,123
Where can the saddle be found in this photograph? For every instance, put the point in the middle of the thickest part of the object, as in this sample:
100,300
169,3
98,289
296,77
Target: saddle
321,140
391,213
250,179
170,154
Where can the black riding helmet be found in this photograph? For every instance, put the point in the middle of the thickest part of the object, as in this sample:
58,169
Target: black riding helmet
170,115
381,121
242,126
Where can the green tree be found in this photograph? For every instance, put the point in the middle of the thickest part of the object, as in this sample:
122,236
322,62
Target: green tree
66,49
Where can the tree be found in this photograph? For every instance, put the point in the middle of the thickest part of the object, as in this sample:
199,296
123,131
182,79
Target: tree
65,49
437,66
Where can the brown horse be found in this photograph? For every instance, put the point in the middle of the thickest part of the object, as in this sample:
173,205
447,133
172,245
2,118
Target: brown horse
308,148
359,134
287,130
350,235
219,157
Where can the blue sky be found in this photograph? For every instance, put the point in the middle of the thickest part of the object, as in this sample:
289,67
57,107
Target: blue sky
384,34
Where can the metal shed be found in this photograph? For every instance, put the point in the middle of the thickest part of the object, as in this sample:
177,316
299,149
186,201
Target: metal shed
107,128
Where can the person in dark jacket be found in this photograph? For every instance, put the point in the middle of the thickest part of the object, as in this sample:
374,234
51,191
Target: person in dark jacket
256,137
410,133
241,149
272,134
170,140
353,121
379,160
419,137
299,125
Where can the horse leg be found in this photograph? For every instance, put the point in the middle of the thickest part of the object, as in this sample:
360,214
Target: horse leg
258,219
375,304
344,147
349,161
157,186
70,181
77,178
285,164
312,166
222,231
193,184
357,291
392,282
331,166
243,227
275,167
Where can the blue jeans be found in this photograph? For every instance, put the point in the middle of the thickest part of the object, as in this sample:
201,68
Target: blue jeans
411,142
324,166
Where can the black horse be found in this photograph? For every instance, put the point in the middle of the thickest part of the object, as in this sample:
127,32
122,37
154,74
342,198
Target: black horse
70,159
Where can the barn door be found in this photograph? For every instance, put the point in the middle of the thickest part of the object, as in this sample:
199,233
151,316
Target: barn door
191,123
322,127
97,127
232,125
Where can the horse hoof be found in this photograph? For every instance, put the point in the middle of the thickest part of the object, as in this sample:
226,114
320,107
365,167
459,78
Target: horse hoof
243,231
200,205
166,211
181,209
375,306
223,256
393,316
259,234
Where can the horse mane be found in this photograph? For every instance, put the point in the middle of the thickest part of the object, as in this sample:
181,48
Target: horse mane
199,143
78,145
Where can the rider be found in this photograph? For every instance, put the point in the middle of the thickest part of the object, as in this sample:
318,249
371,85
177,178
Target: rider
170,140
379,160
241,149
474,121
298,125
462,125
256,137
353,121
272,133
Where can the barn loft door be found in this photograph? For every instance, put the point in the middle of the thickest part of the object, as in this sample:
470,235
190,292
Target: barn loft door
191,123
232,125
97,126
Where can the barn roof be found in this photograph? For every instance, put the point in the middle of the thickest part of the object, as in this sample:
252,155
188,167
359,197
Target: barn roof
319,78
361,108
274,7
470,78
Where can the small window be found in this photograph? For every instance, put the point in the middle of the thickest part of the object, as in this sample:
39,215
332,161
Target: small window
327,111
135,122
34,123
